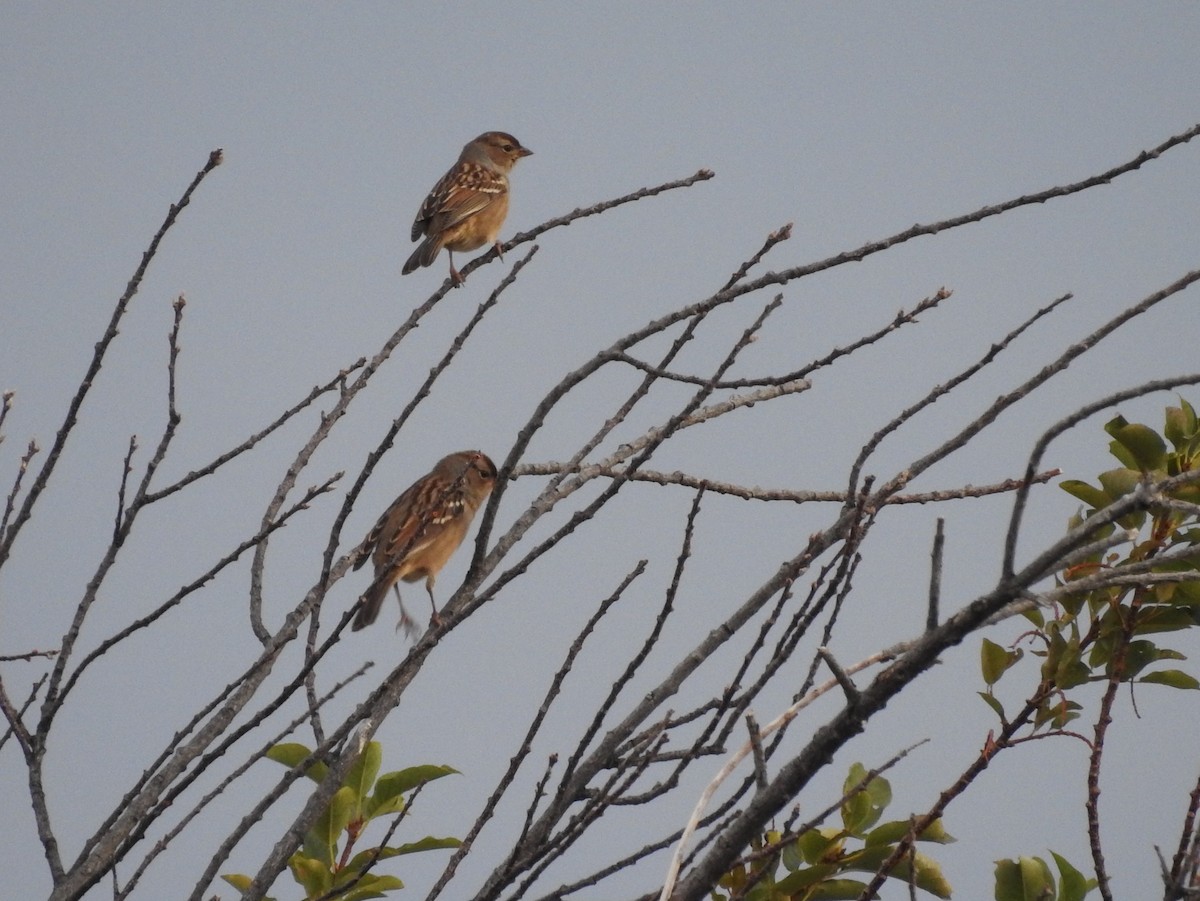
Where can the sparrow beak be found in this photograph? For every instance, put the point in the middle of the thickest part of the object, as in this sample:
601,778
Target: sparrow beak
524,151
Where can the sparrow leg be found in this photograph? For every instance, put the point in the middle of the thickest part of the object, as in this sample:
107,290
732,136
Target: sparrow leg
436,618
455,276
411,629
499,250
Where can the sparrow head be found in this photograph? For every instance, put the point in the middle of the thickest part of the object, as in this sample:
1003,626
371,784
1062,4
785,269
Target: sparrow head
473,469
498,150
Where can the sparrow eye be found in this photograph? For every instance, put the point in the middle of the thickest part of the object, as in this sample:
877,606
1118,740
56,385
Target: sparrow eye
508,148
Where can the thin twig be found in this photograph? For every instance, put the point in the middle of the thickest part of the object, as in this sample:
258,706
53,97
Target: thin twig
756,746
731,764
89,378
535,726
22,468
253,758
686,480
125,471
935,574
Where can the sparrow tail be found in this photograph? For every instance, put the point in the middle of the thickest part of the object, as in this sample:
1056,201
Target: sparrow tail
424,255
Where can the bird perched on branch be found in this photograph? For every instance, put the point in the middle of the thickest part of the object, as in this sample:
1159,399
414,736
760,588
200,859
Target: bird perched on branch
421,529
466,209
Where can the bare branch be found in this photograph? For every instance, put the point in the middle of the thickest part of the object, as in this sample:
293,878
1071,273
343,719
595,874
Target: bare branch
941,391
935,574
89,378
337,383
254,757
196,584
760,758
125,471
27,655
1039,449
535,726
16,488
597,208
849,689
6,399
731,764
1181,881
599,470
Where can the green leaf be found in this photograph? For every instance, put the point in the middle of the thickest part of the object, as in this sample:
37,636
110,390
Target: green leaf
390,787
1056,713
321,840
315,876
1036,878
1090,495
360,860
815,844
1035,616
1073,885
1164,618
1123,454
428,843
996,660
1147,450
1181,426
292,754
890,833
1118,483
242,883
1114,425
1172,677
796,883
928,875
791,857
836,890
1139,655
393,785
863,809
376,807
1070,670
867,859
362,774
1024,879
372,886
1176,427
1189,492
992,702
1008,881
1187,594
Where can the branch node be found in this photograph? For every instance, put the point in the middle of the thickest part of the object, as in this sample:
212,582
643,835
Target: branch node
760,758
848,687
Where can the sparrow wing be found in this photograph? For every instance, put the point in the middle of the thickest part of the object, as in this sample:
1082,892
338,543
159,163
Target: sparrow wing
414,520
462,192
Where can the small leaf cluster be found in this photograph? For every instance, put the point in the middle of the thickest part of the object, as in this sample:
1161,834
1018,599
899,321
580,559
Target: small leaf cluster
365,795
1101,634
813,866
1029,878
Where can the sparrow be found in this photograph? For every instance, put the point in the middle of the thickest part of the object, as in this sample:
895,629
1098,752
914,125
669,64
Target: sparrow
466,208
416,535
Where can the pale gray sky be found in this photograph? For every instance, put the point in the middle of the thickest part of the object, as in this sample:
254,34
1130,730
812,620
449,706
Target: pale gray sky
852,121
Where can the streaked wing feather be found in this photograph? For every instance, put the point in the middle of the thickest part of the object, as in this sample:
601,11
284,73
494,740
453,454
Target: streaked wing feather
407,542
371,542
460,194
